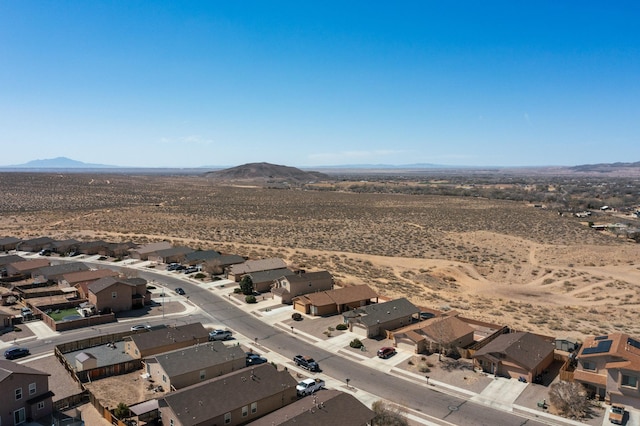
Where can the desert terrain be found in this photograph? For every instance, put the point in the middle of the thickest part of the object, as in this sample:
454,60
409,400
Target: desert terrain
505,262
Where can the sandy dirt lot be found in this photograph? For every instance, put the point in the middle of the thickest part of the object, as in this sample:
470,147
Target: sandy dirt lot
498,261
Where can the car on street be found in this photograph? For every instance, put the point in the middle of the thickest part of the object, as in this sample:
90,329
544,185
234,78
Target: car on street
180,291
255,359
616,414
220,335
13,353
386,352
306,362
139,327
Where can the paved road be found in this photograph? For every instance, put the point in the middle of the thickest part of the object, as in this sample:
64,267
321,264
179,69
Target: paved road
423,404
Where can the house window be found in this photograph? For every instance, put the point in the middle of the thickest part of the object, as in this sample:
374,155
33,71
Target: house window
254,407
18,394
202,374
589,365
164,378
227,418
19,416
114,294
245,411
629,381
41,405
32,388
171,422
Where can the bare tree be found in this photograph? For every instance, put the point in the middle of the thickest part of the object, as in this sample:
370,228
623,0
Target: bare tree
388,415
570,399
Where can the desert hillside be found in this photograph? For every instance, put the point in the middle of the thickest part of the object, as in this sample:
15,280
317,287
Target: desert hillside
498,261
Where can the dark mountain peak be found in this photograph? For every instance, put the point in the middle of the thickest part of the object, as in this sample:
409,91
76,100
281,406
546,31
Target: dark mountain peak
267,173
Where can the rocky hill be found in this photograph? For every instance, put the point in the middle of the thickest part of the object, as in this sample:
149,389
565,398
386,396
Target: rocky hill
266,173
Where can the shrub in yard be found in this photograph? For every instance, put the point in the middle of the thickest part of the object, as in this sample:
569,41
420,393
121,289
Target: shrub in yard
237,290
356,343
341,326
250,299
423,367
199,276
296,316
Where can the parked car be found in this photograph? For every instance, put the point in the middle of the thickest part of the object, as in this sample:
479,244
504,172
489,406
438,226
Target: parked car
45,252
140,327
386,352
190,270
173,266
309,386
616,414
180,291
306,362
14,353
255,359
26,312
220,335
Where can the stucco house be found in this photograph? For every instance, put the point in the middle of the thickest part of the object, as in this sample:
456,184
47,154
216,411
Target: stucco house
35,244
264,280
142,252
609,367
24,394
443,333
9,243
25,267
80,280
170,255
335,301
378,318
153,342
111,294
515,355
326,407
287,287
232,399
236,271
194,364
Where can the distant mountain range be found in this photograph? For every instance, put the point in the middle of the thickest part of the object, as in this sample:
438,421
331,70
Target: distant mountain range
267,170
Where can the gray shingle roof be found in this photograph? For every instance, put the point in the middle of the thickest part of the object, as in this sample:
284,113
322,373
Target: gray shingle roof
158,338
197,404
9,367
525,348
197,357
386,311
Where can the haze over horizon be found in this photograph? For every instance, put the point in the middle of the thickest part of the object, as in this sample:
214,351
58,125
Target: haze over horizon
180,85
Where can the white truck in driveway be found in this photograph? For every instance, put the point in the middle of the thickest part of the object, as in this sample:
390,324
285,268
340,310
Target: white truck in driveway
309,386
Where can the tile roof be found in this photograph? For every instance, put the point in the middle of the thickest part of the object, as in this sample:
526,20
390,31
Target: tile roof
197,404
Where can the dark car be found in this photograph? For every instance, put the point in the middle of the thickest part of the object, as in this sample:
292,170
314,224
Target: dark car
386,352
180,291
306,362
255,359
14,353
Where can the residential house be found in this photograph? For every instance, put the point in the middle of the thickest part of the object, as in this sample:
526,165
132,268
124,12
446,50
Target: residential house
515,355
335,301
376,319
235,272
35,244
111,294
54,272
200,257
609,367
443,333
287,287
326,407
6,318
26,267
24,393
170,255
9,243
143,252
65,246
232,399
264,280
153,342
80,280
194,364
5,260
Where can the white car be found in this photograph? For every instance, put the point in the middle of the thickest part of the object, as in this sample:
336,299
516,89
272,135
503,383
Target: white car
140,327
220,335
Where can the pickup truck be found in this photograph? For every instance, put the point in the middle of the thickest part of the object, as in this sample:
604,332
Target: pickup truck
309,386
306,362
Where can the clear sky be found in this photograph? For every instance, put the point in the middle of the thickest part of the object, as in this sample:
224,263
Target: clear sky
312,83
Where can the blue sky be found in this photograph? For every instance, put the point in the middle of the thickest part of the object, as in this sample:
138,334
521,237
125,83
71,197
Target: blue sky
301,83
